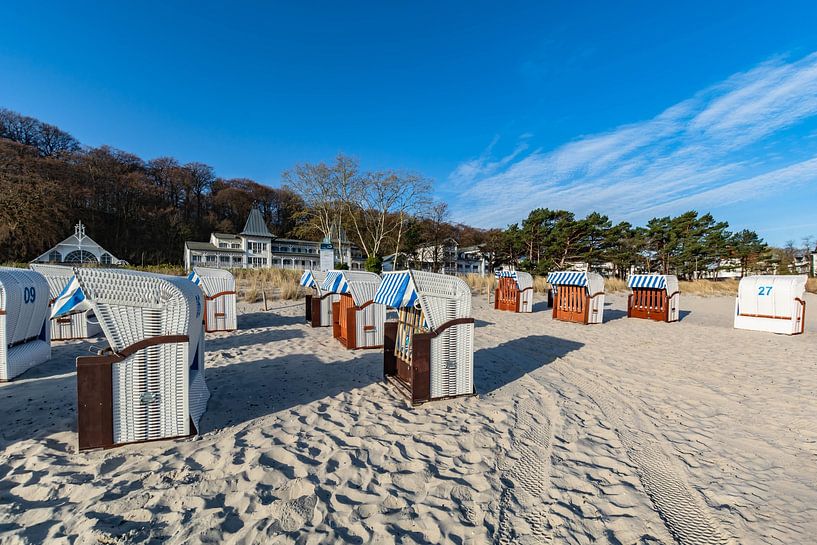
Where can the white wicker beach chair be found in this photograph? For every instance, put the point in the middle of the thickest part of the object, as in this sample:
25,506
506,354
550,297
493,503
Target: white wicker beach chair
776,304
654,297
149,384
218,286
578,296
429,351
514,291
357,321
24,323
80,325
318,305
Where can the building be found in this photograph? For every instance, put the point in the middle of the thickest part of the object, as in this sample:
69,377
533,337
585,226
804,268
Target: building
79,248
255,247
445,258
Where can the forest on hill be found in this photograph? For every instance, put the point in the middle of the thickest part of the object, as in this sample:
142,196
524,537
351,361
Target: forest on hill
144,210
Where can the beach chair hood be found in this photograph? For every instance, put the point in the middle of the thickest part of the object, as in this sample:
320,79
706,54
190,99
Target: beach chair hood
313,279
442,298
523,279
212,281
666,282
594,282
360,285
24,296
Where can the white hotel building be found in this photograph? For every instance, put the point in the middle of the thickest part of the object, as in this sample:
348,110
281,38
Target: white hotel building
256,247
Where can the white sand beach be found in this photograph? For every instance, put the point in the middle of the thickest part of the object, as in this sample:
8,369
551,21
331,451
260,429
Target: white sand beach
625,432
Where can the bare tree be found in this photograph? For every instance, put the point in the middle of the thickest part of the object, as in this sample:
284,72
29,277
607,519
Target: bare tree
378,204
313,182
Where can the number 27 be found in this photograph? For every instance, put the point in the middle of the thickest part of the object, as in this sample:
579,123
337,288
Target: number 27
764,290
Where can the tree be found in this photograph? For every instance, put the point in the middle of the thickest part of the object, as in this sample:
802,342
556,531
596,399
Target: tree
747,247
378,203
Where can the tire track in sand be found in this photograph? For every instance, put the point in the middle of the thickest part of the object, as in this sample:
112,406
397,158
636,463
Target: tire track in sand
526,471
682,509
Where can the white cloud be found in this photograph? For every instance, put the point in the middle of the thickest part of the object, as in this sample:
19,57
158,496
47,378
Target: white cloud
705,151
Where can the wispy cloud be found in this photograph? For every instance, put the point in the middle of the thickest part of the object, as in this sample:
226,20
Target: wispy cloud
709,150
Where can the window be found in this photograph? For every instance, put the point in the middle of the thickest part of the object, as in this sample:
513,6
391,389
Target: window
223,245
105,259
55,257
224,258
210,259
196,258
257,247
238,259
80,256
235,245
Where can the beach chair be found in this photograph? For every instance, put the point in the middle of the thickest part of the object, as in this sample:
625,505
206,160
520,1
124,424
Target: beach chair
776,304
428,352
80,325
318,306
357,321
218,286
577,296
24,324
514,291
654,297
149,383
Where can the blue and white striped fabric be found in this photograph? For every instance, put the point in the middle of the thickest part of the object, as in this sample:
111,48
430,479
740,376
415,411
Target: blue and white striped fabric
193,277
396,291
308,279
652,281
71,300
505,274
335,283
567,278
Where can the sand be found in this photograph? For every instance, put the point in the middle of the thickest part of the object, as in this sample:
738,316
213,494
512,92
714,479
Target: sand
625,432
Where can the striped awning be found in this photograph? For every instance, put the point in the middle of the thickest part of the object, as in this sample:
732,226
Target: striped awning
653,281
335,282
396,290
195,278
567,278
71,300
505,274
308,279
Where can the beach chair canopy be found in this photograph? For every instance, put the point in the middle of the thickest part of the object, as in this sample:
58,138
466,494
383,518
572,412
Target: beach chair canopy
770,295
57,276
594,282
121,299
441,297
313,279
666,282
360,285
523,279
24,296
212,281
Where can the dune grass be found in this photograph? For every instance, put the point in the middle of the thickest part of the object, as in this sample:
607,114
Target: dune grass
251,284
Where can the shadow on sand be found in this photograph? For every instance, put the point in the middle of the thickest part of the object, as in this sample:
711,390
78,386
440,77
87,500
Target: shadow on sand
612,315
495,367
243,391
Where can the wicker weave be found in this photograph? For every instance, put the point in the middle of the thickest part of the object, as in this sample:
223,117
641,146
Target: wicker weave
157,390
218,286
81,325
24,321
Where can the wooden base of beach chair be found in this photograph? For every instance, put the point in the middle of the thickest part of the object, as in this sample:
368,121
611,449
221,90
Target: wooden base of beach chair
412,379
651,304
508,296
573,304
95,426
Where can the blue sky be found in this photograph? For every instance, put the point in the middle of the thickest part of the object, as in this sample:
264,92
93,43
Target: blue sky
628,108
